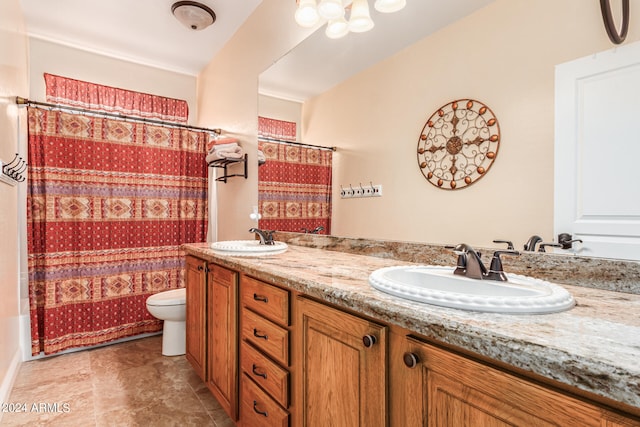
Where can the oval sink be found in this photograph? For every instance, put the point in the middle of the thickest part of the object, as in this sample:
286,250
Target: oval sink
248,247
439,286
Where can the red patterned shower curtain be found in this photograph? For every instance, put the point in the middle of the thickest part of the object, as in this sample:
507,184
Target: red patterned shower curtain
294,184
109,204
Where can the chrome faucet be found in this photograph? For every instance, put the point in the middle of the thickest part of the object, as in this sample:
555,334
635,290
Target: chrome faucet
265,236
532,242
470,263
314,231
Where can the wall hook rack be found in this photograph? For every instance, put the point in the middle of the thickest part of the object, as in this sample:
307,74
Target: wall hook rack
13,172
358,191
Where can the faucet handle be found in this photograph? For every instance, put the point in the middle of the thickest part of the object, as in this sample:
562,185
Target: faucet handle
269,237
495,269
566,240
508,242
461,265
544,245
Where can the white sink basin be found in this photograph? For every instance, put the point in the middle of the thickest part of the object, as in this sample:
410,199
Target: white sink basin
439,286
248,248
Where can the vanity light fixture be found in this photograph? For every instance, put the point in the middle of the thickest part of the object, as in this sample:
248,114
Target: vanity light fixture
193,15
334,12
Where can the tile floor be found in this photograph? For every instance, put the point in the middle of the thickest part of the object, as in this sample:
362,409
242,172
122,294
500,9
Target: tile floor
126,384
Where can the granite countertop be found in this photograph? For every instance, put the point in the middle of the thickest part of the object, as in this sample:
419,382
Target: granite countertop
595,346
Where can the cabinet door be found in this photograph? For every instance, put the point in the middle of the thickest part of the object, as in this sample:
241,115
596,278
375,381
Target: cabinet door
407,409
196,323
222,366
450,390
343,373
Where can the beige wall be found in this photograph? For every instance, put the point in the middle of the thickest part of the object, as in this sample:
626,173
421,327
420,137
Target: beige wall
503,55
281,109
13,81
48,57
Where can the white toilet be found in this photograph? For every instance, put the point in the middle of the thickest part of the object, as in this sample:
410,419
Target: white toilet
170,306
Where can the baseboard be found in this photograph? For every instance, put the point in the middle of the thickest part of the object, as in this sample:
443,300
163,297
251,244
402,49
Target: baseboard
27,357
10,378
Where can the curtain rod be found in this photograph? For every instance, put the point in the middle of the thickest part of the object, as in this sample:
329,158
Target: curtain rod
284,141
27,102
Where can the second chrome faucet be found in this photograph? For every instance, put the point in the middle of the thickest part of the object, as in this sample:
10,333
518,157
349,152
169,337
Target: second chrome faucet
470,263
265,236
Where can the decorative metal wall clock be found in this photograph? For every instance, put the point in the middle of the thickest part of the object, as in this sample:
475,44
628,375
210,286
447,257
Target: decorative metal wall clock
458,144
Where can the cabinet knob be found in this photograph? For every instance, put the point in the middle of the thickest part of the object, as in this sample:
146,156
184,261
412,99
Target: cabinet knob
411,360
200,268
369,340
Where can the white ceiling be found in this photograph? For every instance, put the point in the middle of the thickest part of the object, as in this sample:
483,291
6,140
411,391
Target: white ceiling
142,31
146,32
319,63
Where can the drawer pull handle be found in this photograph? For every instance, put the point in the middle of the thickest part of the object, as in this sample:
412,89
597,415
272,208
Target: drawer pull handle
369,340
259,374
258,411
259,335
260,298
411,360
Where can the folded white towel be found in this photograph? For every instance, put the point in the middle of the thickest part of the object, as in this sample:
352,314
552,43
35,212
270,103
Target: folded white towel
221,140
232,146
217,155
229,154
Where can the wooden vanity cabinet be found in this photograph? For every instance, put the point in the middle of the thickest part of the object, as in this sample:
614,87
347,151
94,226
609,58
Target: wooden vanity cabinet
431,386
294,361
343,377
196,319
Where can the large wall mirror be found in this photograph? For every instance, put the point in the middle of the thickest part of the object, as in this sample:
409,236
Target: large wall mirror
370,94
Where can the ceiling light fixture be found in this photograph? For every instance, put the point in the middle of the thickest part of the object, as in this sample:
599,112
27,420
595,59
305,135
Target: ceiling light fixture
334,12
193,15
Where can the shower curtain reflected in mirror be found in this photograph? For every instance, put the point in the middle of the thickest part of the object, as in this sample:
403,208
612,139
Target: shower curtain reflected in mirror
294,182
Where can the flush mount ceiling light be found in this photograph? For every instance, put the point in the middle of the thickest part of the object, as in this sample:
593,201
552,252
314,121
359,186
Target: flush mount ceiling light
335,12
193,15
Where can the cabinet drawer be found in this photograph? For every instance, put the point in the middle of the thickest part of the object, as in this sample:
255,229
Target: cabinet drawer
258,409
265,373
268,300
266,335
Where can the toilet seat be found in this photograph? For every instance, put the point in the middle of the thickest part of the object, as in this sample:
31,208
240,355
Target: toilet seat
166,298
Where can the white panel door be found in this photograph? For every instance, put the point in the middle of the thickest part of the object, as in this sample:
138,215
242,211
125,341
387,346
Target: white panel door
597,152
